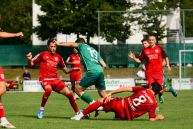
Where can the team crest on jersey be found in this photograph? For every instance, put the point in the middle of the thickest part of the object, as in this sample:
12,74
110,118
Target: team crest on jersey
47,57
56,58
156,51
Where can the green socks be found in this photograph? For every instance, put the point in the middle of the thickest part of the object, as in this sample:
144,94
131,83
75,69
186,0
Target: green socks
86,98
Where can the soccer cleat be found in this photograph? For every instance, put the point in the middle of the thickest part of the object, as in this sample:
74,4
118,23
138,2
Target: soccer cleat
7,125
41,114
161,99
78,116
174,92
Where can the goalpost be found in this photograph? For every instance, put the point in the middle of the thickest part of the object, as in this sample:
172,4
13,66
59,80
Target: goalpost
180,63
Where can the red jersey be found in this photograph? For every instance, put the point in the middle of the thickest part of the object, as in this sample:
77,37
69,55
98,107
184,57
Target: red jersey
75,58
142,101
154,57
48,64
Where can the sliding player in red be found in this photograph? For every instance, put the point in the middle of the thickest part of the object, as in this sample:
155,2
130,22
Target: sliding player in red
140,102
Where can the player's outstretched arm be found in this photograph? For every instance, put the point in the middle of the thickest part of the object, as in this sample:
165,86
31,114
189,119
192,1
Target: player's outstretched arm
103,64
68,61
122,89
8,35
69,70
158,117
132,56
29,57
67,44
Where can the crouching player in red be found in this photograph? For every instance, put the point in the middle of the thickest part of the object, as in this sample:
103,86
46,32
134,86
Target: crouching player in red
75,76
142,101
49,61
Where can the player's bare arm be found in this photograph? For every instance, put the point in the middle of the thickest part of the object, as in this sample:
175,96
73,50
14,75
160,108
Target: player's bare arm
122,89
8,35
167,63
103,64
29,57
71,62
69,70
158,117
132,56
66,44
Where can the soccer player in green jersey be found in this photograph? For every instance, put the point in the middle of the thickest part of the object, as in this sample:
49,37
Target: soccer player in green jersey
94,65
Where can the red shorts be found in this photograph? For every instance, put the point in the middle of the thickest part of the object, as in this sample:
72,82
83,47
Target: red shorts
2,78
117,106
75,77
156,77
56,84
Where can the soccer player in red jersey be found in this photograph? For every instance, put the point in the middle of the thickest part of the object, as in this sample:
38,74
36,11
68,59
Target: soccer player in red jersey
49,61
75,76
4,122
140,102
154,56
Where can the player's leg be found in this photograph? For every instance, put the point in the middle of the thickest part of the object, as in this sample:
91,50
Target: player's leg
78,77
73,83
85,82
48,91
168,87
92,107
4,122
100,85
63,89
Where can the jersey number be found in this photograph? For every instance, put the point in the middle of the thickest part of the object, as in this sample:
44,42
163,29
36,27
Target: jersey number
93,53
138,101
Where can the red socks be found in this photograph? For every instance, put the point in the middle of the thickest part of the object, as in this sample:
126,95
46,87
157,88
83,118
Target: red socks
45,97
2,111
72,102
94,106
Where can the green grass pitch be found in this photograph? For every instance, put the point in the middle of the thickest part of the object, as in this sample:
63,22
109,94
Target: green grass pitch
21,110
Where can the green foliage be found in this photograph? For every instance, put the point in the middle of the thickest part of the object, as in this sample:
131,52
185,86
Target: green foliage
152,21
81,17
16,16
187,4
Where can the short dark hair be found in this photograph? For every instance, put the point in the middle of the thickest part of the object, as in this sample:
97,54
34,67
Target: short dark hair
143,40
80,40
50,40
156,88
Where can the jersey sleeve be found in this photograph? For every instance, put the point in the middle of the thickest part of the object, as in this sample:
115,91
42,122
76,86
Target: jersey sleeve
137,88
61,63
152,111
163,53
141,55
37,58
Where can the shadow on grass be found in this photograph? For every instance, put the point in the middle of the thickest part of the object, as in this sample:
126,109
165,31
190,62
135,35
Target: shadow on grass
45,117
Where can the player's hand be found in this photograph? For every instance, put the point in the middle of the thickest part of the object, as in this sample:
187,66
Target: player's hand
160,117
29,56
19,34
131,55
168,67
108,95
108,99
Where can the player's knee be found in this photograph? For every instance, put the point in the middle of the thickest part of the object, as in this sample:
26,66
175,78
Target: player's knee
48,91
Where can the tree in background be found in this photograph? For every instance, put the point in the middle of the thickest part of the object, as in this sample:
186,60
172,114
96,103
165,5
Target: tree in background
16,15
81,17
151,22
187,4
